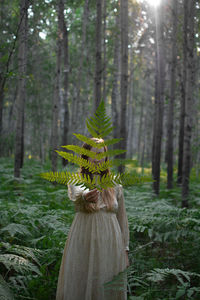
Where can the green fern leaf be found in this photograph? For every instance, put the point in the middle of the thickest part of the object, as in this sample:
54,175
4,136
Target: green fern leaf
15,228
18,263
5,291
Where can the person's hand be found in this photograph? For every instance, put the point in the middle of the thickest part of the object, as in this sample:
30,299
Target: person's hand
92,196
127,260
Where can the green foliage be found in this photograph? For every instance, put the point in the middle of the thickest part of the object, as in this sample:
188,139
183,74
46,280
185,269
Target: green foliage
99,127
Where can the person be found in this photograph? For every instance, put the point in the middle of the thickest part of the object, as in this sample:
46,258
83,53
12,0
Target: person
96,250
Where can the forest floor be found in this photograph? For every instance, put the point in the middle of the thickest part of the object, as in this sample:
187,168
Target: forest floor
35,217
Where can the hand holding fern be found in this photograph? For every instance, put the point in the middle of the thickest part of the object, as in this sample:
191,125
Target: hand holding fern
91,196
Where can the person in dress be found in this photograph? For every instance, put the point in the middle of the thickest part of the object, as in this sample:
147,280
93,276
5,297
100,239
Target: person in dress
96,250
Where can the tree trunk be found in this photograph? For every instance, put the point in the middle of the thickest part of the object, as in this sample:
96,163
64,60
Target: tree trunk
56,98
124,74
140,128
98,67
77,111
159,100
65,83
20,101
183,95
104,52
130,111
170,117
189,104
115,85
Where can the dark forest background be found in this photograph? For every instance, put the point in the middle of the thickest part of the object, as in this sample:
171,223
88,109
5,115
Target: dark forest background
58,60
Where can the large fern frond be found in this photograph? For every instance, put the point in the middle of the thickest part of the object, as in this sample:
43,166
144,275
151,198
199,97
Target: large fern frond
92,143
91,154
5,291
100,125
14,228
18,263
157,275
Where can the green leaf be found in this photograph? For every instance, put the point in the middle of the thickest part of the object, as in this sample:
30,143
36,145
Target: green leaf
5,291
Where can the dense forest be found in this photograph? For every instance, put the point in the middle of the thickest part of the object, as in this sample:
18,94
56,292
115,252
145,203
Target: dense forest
58,60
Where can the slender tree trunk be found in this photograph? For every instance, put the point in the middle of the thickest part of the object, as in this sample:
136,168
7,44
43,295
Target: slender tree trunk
78,111
115,85
116,77
124,74
130,111
159,102
20,101
188,105
140,128
170,117
65,83
104,51
98,67
56,98
183,95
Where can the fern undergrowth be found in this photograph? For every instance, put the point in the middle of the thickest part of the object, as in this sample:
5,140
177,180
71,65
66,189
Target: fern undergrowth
35,218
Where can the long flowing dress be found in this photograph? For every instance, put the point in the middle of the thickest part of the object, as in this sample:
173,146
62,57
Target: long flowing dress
94,252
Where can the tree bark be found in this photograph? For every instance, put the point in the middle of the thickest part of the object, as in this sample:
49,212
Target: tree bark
170,116
64,31
77,111
124,74
20,101
104,52
189,104
115,85
183,95
98,66
159,99
130,110
56,98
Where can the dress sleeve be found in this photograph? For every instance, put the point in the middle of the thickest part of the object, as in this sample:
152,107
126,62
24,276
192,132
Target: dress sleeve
122,216
75,192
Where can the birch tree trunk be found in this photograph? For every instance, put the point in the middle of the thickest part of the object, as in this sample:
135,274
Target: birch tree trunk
21,96
170,116
98,66
124,74
189,104
159,99
63,29
56,98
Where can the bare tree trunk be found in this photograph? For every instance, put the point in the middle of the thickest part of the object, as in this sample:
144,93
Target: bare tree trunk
66,72
124,74
140,128
183,95
20,101
130,111
98,67
56,98
159,96
170,117
115,85
104,51
78,112
188,104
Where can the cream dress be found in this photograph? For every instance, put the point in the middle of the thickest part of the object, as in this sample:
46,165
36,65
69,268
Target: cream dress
94,252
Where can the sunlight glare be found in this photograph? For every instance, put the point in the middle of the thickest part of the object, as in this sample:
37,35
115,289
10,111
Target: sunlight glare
154,3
